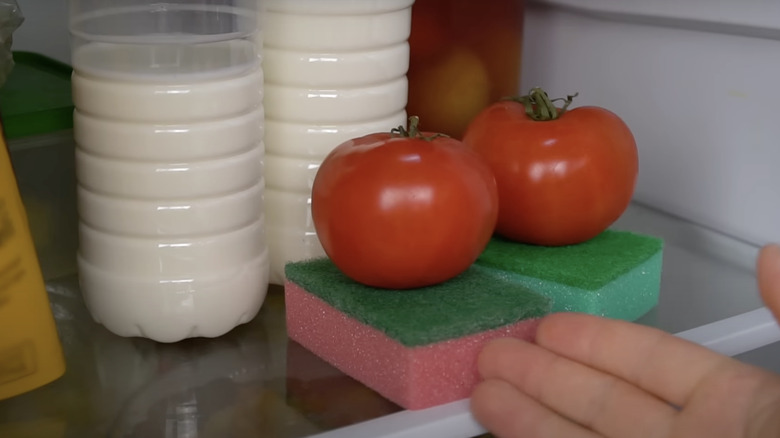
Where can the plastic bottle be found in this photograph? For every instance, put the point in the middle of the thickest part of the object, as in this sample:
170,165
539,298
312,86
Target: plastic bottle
30,351
168,127
334,70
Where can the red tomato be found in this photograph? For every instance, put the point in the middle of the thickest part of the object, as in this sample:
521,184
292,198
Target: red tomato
560,181
400,212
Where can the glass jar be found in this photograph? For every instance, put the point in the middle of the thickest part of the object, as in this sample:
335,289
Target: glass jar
465,54
168,127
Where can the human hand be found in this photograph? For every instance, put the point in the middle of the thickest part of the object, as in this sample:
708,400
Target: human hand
592,377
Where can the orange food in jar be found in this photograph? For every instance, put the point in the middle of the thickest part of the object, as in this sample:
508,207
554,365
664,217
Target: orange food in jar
465,54
447,105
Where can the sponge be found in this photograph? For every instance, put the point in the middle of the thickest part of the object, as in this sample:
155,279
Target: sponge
617,274
417,347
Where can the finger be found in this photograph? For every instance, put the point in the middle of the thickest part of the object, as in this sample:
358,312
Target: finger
596,400
661,364
768,270
508,413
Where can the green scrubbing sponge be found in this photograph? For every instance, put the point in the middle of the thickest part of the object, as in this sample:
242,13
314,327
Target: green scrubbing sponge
417,347
470,303
617,274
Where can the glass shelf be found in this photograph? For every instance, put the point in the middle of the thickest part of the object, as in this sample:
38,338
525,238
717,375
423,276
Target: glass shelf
255,382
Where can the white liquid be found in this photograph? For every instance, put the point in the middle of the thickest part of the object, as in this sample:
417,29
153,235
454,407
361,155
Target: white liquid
360,68
170,170
335,105
334,70
170,217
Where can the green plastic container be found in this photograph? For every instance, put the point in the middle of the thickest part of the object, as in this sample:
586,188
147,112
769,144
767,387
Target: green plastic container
36,98
37,111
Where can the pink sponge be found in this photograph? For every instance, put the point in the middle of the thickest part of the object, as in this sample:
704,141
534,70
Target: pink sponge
416,361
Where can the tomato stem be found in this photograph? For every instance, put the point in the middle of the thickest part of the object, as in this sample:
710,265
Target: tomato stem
414,130
539,106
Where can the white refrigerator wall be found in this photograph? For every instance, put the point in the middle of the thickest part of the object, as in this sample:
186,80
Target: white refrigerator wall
696,80
45,28
699,87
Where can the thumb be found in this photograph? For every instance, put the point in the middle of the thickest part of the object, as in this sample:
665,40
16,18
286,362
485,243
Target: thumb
768,271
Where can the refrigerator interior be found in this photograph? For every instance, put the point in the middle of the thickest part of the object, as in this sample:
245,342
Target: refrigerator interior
697,91
45,29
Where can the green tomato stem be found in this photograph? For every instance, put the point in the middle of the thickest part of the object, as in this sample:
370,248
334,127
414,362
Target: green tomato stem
539,106
414,130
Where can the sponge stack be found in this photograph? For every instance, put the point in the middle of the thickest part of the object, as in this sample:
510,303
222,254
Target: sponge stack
417,347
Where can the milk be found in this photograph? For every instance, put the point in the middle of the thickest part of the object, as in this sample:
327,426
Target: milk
334,70
170,187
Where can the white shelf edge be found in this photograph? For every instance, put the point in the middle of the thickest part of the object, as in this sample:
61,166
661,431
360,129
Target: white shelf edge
731,336
451,420
737,334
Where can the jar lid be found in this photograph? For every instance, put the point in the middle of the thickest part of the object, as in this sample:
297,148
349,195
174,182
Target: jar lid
36,98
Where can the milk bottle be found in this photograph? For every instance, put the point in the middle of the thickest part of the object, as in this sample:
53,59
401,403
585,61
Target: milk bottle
168,126
334,70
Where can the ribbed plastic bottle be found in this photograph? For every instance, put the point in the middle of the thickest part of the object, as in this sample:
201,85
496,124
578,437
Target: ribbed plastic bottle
334,70
168,126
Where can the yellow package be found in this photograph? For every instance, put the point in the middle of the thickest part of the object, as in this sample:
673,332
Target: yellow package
30,350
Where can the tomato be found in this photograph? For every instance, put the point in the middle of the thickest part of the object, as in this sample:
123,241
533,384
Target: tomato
560,181
403,210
